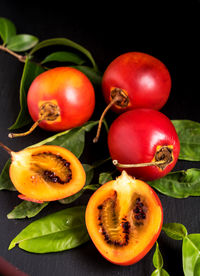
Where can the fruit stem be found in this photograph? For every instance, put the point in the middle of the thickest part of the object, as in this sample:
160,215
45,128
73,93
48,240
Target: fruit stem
148,164
119,97
19,57
48,111
9,151
14,135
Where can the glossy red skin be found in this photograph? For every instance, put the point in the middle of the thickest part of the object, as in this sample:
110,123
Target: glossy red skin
73,92
145,79
134,136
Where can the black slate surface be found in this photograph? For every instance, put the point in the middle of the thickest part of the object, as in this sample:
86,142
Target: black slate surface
168,30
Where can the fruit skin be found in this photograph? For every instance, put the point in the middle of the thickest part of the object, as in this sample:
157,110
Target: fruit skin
144,78
124,255
31,186
134,137
66,87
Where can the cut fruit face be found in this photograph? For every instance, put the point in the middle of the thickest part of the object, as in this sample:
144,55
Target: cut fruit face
51,167
124,219
46,173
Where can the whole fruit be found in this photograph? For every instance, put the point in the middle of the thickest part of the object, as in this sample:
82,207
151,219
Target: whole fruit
144,142
60,99
141,80
124,218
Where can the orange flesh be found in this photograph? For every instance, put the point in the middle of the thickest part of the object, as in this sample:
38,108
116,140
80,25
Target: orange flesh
124,191
28,167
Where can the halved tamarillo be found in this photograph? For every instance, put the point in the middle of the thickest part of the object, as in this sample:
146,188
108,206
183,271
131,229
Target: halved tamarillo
124,218
144,142
45,173
59,99
135,80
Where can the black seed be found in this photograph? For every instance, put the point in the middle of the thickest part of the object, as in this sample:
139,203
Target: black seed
138,223
137,199
109,242
126,237
136,210
100,207
137,217
126,225
143,216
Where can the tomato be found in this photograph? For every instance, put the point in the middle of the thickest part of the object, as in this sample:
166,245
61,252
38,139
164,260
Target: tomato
143,136
134,80
142,80
124,218
59,99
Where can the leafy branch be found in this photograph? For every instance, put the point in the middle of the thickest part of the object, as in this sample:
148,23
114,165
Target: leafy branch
14,43
190,247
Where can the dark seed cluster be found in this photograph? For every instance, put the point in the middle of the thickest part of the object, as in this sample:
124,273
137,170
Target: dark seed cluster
125,226
126,229
50,175
139,210
65,162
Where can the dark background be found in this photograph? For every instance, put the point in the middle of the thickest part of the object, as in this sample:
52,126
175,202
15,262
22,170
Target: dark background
168,30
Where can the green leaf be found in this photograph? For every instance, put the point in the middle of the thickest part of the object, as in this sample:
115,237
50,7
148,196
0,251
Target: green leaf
64,57
158,263
72,139
105,177
22,42
191,255
26,209
157,258
92,187
5,182
56,232
189,136
179,184
160,272
30,72
7,29
72,198
197,267
64,42
175,231
93,75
